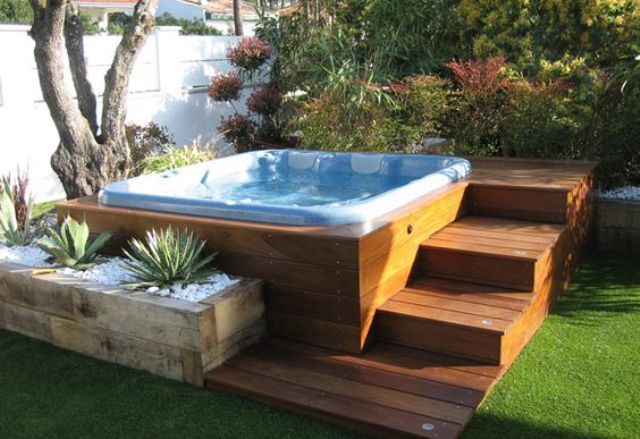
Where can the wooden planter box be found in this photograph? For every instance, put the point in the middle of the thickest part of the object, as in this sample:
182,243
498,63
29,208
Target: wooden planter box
168,337
618,226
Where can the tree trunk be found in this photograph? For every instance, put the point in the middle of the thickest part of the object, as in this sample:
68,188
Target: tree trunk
88,156
237,18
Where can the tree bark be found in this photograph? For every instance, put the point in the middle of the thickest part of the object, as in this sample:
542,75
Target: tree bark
88,156
74,41
237,18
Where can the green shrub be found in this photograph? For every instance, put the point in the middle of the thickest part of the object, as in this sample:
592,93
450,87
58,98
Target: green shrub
413,108
173,157
188,27
16,211
167,257
147,141
71,247
531,31
15,12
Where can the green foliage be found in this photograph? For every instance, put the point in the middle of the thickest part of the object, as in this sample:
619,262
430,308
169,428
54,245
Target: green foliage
147,141
167,257
531,31
89,26
414,109
363,41
16,211
173,157
188,27
71,247
15,12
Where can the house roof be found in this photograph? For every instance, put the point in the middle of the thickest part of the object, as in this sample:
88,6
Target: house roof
223,7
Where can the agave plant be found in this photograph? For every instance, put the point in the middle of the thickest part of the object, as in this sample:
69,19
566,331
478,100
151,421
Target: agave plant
167,257
15,211
71,247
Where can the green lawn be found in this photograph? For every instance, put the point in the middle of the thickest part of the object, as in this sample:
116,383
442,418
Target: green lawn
579,377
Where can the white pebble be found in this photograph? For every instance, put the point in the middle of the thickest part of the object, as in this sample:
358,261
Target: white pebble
111,272
29,255
622,193
197,291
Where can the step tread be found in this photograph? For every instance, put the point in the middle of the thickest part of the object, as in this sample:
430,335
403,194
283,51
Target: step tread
496,237
472,293
447,317
468,305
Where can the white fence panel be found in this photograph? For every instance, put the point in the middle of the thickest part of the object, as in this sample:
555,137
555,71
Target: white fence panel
168,85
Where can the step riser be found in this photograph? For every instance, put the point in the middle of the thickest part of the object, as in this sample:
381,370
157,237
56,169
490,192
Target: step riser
477,268
518,203
437,337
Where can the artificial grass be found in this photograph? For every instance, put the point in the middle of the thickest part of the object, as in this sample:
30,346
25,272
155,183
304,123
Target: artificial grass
579,377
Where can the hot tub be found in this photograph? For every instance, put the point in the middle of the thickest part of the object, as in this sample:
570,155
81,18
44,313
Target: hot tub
291,187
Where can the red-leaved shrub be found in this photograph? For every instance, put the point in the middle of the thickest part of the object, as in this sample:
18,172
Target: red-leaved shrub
225,87
239,130
478,77
265,101
249,54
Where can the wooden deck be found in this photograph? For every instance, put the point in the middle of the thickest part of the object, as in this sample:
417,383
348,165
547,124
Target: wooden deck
389,390
400,326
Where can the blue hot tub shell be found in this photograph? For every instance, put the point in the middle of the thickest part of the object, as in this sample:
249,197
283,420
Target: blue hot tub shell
292,187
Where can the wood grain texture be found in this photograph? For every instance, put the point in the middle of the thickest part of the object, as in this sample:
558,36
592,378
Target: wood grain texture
361,265
389,392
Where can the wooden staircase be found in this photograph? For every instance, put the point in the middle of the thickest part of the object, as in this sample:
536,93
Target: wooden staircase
473,282
478,291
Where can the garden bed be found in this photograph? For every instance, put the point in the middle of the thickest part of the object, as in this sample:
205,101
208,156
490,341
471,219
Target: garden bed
173,338
618,226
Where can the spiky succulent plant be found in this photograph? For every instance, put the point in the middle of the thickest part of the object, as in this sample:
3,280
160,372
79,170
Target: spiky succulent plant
71,247
15,211
167,257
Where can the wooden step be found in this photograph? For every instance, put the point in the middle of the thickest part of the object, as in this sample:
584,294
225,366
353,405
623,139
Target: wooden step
453,317
388,391
526,189
498,252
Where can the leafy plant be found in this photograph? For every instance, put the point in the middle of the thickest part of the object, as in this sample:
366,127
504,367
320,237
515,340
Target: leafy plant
71,247
225,87
146,141
240,130
174,157
167,257
15,211
249,55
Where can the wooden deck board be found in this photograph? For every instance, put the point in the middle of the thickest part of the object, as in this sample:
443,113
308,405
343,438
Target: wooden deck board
390,391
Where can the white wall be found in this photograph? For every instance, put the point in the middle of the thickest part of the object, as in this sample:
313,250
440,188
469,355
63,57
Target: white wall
168,86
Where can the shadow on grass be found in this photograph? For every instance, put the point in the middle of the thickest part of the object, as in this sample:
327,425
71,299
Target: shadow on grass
603,285
491,426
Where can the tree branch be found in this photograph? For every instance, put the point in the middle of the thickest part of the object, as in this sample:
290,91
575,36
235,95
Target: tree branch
74,40
47,31
117,77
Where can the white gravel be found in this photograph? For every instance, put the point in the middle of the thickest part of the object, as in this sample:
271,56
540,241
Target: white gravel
196,292
29,255
622,193
113,272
